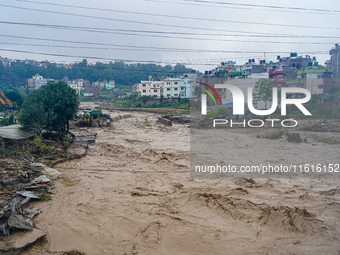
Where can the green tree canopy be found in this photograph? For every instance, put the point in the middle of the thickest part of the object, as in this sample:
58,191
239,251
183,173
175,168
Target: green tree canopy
263,91
50,107
16,98
14,75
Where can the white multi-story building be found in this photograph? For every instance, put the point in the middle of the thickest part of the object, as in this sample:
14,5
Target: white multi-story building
168,88
185,88
37,81
188,84
314,83
150,88
80,83
171,88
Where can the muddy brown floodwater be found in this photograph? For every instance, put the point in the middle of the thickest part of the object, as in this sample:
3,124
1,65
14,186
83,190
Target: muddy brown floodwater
132,194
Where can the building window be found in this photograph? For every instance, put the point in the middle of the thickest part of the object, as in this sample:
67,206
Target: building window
320,86
155,96
176,89
144,91
175,82
176,95
320,76
144,85
168,95
155,91
168,89
168,83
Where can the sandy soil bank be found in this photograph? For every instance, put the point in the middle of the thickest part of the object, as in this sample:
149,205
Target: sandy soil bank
116,201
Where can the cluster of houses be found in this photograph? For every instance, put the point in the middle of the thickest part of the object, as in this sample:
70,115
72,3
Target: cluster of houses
291,71
93,89
9,61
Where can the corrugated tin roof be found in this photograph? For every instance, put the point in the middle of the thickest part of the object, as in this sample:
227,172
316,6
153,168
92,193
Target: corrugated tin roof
14,132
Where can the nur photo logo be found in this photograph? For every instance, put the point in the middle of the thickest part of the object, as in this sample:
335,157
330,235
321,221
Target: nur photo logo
239,102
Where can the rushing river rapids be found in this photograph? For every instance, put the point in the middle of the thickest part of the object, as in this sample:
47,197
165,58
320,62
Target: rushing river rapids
132,194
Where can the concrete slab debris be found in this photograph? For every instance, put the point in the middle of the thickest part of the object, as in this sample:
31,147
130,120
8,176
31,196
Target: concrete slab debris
14,132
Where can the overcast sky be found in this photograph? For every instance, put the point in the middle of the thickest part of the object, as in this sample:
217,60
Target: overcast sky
205,27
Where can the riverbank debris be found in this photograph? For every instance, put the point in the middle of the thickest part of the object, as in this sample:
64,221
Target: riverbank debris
22,183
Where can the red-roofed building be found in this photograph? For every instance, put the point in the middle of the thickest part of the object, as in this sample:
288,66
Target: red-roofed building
277,77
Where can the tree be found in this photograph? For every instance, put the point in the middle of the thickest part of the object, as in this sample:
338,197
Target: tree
15,97
263,91
34,113
11,119
50,107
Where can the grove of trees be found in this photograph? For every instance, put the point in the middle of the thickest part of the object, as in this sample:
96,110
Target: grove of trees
50,107
127,74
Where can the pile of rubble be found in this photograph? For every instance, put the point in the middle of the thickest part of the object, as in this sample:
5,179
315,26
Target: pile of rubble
182,119
21,184
82,139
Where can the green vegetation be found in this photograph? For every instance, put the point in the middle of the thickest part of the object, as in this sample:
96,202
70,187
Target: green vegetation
219,111
2,146
36,148
16,97
39,146
149,102
50,107
67,140
263,91
295,82
184,104
312,71
7,122
132,100
129,74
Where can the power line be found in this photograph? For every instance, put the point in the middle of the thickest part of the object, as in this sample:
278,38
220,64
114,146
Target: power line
175,16
207,61
254,34
112,31
265,35
95,48
108,67
263,6
246,7
130,47
99,58
170,61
